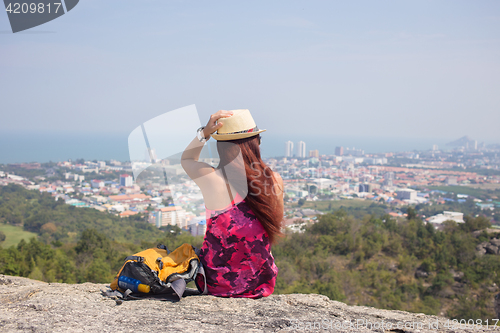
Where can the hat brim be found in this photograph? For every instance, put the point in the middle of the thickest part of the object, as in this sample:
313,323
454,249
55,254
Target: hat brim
227,137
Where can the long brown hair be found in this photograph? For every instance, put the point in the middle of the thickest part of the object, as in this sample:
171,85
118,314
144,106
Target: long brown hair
262,197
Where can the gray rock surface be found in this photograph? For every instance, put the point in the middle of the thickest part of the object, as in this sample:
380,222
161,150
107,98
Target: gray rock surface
482,245
457,275
492,249
33,306
481,252
421,274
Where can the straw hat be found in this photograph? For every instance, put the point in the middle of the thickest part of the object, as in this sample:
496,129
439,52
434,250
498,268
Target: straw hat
240,125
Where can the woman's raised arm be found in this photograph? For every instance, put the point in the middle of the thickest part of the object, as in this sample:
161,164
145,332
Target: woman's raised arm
191,154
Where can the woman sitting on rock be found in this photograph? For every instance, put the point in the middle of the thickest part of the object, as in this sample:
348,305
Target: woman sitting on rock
244,207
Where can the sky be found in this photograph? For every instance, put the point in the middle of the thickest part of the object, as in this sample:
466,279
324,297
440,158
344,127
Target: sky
323,70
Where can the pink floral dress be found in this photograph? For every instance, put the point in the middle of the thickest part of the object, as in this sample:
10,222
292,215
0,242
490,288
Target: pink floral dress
236,253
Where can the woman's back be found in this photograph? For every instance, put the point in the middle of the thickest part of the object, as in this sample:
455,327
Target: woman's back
217,191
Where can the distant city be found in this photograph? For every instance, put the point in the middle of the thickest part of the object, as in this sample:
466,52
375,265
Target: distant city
164,195
25,147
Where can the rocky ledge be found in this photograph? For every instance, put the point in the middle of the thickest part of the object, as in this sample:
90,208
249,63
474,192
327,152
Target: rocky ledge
34,306
491,247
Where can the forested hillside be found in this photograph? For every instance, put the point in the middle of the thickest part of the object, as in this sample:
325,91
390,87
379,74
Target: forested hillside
375,260
404,265
55,221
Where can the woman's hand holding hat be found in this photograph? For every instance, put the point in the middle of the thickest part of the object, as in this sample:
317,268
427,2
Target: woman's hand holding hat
213,125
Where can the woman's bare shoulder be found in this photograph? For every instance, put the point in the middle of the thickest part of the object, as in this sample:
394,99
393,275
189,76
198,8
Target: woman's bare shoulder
277,177
279,180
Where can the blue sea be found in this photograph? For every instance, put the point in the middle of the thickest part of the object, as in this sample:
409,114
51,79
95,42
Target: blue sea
44,147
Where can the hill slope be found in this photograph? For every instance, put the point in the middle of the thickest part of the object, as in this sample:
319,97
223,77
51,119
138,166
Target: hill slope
462,142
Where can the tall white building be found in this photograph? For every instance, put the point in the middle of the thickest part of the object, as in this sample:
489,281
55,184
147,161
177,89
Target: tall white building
126,180
406,194
301,149
171,215
289,149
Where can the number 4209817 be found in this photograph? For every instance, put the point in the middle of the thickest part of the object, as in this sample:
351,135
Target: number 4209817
24,8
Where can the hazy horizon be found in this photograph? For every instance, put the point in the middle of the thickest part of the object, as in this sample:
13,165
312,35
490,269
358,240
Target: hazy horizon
45,147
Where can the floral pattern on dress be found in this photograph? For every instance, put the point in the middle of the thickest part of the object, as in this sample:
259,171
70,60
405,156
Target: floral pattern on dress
236,254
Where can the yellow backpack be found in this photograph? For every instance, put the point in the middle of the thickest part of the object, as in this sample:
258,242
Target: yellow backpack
157,271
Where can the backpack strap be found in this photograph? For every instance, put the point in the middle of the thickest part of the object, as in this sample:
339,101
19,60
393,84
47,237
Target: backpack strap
160,262
179,286
136,258
201,280
118,294
126,293
163,247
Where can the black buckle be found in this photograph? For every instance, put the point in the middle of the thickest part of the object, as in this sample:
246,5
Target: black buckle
163,247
